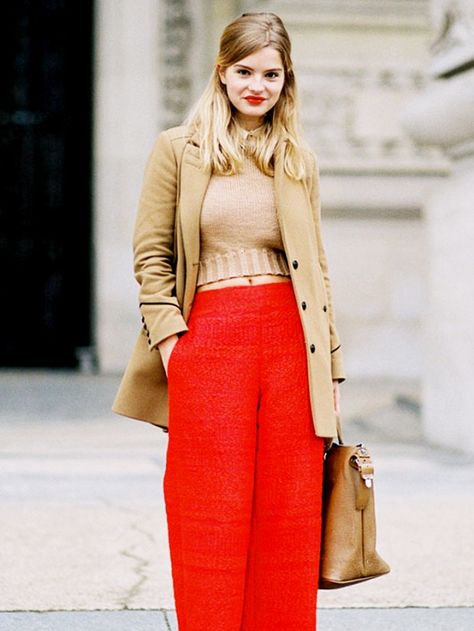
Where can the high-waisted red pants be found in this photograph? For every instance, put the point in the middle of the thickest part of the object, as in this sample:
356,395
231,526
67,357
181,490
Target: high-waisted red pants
243,477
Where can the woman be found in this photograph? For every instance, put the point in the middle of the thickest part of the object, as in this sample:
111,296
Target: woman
239,357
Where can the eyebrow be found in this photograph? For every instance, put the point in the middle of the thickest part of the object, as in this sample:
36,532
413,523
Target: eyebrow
268,69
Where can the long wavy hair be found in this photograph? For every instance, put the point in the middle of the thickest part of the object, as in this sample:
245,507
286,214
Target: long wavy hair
213,115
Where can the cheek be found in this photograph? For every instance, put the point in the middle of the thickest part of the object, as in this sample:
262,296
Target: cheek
277,92
233,94
233,87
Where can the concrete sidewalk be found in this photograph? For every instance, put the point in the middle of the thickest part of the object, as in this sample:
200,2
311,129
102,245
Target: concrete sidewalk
328,620
83,522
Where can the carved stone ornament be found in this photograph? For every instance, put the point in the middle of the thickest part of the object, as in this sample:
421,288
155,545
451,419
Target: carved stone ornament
175,55
350,118
313,9
453,44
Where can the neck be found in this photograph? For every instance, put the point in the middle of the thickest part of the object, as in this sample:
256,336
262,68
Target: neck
250,124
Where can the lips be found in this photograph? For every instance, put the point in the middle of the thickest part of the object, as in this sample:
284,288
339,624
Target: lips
254,100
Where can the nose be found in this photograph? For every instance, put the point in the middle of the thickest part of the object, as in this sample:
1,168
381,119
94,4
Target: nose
256,84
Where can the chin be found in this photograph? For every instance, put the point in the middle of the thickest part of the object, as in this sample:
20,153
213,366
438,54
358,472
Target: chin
253,112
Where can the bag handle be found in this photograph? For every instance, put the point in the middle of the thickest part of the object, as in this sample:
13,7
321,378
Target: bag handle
339,429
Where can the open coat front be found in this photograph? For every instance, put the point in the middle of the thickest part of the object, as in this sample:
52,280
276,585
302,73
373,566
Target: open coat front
166,247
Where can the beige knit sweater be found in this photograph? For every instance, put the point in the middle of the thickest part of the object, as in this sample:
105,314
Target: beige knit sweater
240,235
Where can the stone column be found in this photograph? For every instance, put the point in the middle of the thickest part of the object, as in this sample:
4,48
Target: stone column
444,116
127,118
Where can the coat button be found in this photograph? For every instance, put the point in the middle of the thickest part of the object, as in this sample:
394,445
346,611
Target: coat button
312,348
303,305
325,308
295,264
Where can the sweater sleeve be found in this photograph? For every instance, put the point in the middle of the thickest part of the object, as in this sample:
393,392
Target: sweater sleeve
337,366
153,245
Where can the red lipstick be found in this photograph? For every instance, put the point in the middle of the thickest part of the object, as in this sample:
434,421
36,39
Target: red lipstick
254,100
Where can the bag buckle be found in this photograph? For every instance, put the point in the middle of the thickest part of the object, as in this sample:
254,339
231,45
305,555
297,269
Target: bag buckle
362,461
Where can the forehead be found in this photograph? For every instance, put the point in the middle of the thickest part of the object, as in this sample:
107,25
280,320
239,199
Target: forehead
263,58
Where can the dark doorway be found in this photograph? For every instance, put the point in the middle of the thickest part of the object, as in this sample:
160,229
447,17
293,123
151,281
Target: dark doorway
46,49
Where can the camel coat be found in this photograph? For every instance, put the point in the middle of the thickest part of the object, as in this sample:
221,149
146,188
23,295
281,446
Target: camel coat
166,248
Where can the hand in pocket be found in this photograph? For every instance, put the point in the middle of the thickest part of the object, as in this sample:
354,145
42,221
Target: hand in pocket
166,348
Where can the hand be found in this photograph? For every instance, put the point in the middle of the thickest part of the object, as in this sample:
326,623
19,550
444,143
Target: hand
166,348
336,395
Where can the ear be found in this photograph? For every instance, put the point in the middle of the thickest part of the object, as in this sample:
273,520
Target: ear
221,73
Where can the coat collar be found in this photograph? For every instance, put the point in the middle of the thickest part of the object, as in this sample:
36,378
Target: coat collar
192,164
194,135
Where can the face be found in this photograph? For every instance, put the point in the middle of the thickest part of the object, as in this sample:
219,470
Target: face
254,85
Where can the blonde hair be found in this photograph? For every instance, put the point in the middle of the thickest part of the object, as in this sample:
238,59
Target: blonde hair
212,115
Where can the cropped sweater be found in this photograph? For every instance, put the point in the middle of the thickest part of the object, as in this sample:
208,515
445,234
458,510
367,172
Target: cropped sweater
239,230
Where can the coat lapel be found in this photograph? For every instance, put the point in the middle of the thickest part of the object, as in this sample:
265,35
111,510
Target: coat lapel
292,201
194,181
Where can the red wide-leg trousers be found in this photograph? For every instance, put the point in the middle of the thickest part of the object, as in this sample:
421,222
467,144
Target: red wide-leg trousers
243,476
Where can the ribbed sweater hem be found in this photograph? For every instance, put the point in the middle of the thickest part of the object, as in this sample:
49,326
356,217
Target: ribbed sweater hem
242,262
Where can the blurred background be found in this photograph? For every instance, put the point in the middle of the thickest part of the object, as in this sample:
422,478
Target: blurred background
387,98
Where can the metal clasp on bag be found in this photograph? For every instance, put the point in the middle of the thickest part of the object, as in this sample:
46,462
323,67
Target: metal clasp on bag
362,461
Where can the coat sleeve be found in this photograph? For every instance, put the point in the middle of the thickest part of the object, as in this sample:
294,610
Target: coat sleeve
337,365
153,245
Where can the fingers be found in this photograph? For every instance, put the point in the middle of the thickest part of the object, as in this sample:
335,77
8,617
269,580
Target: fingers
166,359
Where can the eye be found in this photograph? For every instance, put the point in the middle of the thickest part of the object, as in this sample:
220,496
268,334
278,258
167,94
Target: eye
242,71
273,75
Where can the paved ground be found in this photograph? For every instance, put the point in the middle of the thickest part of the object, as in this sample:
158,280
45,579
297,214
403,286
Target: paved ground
329,620
83,523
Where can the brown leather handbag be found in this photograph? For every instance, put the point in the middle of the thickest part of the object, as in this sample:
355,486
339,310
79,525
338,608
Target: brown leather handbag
348,553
